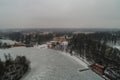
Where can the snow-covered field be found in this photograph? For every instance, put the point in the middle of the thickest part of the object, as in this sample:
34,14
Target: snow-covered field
47,64
41,46
8,41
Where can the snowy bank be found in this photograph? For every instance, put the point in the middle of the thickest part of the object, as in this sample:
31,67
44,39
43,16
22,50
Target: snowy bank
80,61
47,64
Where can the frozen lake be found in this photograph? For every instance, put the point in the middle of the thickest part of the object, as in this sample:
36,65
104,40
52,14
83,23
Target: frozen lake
47,64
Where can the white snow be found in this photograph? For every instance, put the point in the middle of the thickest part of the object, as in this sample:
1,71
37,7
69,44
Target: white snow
65,43
8,41
41,46
76,59
47,64
79,60
117,45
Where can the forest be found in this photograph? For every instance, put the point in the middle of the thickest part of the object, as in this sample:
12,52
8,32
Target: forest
94,48
13,69
28,38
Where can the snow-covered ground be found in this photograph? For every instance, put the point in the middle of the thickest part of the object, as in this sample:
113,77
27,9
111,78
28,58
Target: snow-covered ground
8,41
47,64
117,45
76,59
41,46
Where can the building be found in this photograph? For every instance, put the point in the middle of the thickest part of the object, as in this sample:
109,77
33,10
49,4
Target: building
18,44
97,68
59,39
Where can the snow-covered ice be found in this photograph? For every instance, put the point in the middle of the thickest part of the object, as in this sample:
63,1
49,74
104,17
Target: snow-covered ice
47,64
76,59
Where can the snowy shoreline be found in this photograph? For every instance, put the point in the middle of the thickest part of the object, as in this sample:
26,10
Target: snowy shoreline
79,60
49,64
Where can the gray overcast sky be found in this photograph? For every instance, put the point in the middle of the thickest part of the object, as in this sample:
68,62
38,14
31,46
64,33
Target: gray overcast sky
60,13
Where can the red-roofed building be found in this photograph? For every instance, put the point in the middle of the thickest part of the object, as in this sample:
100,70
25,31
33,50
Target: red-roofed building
98,68
18,44
59,39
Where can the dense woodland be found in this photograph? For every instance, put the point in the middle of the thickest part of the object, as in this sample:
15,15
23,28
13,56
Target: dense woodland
13,69
94,48
34,38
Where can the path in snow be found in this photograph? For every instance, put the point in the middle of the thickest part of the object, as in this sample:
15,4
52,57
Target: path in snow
47,64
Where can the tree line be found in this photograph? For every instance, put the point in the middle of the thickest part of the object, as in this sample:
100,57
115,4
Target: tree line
13,69
94,48
38,38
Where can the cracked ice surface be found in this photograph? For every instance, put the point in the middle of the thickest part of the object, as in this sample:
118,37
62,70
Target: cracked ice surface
47,64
